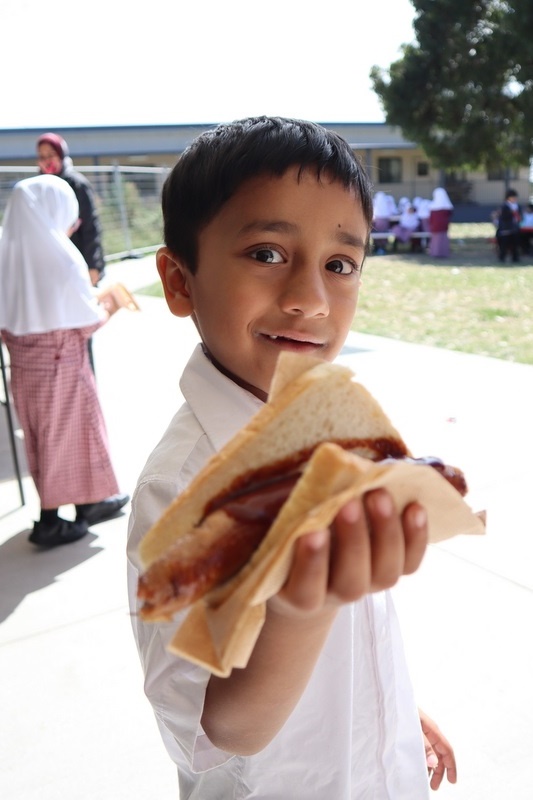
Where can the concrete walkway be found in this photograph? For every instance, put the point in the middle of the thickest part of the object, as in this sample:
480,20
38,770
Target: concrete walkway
75,724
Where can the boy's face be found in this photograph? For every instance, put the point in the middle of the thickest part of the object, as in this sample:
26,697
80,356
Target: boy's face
278,269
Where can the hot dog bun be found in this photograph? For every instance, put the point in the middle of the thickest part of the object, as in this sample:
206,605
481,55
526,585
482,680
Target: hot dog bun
314,409
311,401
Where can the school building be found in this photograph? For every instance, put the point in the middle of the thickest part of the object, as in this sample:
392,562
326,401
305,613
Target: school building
396,165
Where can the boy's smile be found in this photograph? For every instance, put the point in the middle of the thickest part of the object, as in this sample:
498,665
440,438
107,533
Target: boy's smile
278,269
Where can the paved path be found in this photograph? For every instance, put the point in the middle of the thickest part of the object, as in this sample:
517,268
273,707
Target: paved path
74,720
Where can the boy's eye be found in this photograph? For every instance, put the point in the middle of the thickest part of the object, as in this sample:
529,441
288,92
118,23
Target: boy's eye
343,266
267,255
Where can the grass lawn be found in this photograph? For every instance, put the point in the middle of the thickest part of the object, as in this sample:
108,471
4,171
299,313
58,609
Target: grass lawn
469,302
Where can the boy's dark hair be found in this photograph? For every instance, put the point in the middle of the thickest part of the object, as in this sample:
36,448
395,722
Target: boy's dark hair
511,193
220,160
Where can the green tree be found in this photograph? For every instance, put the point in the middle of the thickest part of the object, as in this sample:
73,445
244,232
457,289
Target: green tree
464,89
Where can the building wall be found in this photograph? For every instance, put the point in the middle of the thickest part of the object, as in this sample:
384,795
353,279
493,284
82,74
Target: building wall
467,188
161,145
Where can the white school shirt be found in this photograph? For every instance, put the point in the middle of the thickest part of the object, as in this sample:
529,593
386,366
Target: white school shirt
355,733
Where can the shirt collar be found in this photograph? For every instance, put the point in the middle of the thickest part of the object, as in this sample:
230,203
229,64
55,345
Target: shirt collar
211,394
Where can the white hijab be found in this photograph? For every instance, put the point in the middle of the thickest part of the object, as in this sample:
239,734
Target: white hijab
381,206
441,201
403,202
423,208
44,280
392,207
409,218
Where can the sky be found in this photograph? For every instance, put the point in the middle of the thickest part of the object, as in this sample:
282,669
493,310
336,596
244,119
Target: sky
113,62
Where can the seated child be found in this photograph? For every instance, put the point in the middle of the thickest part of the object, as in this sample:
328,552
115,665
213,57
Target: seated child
526,229
409,223
527,217
381,221
267,223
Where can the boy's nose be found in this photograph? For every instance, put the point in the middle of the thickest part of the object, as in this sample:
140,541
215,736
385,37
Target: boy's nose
305,294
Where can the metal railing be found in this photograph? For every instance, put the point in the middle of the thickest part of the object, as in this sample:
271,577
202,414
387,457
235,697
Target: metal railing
128,201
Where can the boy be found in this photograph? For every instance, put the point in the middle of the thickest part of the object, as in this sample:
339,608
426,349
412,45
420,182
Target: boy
266,228
508,230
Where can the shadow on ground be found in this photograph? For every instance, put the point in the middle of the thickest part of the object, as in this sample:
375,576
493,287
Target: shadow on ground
25,568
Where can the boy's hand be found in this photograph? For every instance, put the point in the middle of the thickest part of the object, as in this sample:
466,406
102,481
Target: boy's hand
368,548
439,752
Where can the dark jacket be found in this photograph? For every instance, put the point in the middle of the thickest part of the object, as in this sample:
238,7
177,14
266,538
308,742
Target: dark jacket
509,220
88,237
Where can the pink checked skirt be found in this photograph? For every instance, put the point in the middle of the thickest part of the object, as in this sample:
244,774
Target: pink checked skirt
55,397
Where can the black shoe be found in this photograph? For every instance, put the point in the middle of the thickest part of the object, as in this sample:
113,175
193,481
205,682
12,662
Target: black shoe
62,531
93,513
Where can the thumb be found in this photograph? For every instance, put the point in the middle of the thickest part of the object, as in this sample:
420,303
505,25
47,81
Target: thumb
432,759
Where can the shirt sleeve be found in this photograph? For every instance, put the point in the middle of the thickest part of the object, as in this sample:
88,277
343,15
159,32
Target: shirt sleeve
174,687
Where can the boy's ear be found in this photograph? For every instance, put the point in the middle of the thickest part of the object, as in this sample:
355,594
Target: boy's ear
175,278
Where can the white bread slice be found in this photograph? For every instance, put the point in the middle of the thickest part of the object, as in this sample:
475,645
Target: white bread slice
320,402
311,401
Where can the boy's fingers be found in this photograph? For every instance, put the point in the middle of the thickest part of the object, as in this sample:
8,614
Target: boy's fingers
437,776
447,765
398,543
371,548
351,562
388,546
440,748
415,525
306,585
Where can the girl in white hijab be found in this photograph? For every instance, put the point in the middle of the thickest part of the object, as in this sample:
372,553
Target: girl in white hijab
403,203
43,279
47,312
423,210
392,207
381,220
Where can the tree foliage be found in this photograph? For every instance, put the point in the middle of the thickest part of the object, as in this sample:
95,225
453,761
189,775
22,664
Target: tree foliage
464,89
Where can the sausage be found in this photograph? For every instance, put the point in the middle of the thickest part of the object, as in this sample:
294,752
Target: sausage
233,527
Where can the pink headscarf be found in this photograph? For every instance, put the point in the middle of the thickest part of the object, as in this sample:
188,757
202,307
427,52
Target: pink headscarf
55,141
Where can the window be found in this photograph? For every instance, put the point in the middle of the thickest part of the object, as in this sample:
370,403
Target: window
422,169
390,170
